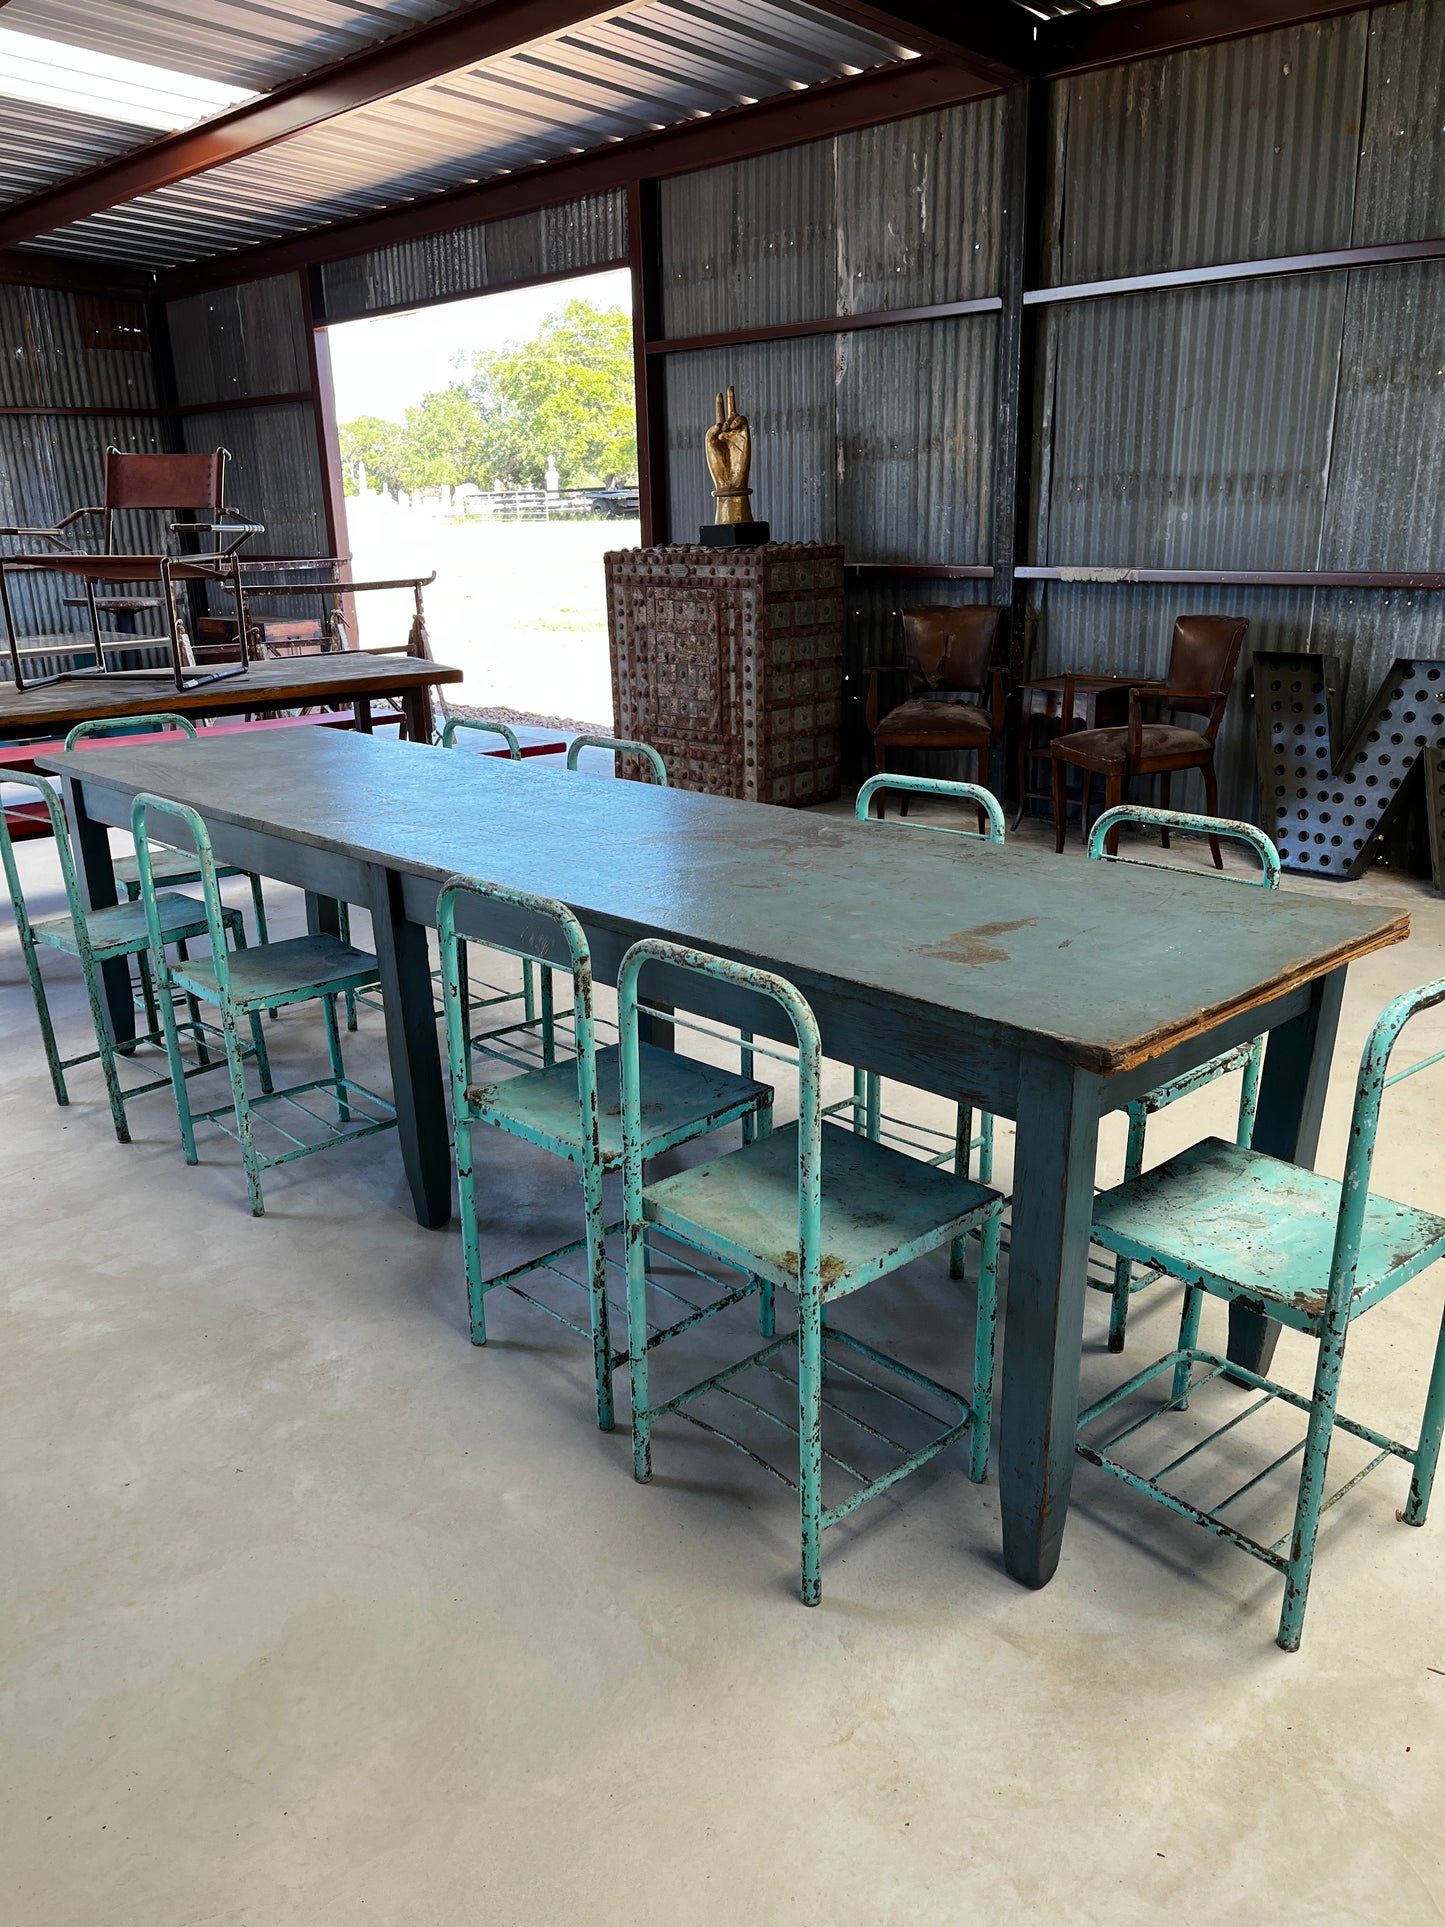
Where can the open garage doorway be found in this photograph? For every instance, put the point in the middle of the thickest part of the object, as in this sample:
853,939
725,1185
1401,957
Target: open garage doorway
494,441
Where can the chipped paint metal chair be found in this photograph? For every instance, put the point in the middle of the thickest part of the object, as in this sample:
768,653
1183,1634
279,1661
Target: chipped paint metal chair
572,1109
819,1212
1314,1253
167,866
620,746
242,986
1248,1058
98,937
865,1105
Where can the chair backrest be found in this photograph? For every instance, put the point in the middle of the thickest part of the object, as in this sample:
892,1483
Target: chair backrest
165,481
1226,829
108,725
971,793
1370,1087
573,953
1203,656
951,647
454,723
170,482
51,798
810,1073
144,806
620,746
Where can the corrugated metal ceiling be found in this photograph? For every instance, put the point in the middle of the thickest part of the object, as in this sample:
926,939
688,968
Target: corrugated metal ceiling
246,43
642,67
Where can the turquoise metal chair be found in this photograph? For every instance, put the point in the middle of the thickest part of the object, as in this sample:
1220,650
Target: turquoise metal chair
1311,1252
571,1109
620,746
817,1211
866,1102
1248,1058
244,985
167,866
97,937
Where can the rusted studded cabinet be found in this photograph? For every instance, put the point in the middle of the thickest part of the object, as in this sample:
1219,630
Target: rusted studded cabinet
731,663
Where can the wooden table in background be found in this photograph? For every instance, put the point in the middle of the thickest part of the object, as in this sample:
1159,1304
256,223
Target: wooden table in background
1044,989
300,682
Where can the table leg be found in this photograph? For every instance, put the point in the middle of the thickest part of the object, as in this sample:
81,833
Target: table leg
323,916
361,716
411,1042
98,891
1292,1092
416,708
1058,1129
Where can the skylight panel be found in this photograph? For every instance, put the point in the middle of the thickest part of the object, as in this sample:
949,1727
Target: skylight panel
56,74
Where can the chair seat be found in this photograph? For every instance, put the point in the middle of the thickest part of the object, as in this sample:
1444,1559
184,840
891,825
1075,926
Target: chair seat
1248,1226
935,718
879,1208
1103,747
289,969
681,1098
122,927
167,866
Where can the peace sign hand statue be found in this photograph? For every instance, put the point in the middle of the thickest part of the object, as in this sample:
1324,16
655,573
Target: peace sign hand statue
729,448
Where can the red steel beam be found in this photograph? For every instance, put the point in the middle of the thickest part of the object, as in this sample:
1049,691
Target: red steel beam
1081,41
832,107
996,41
458,40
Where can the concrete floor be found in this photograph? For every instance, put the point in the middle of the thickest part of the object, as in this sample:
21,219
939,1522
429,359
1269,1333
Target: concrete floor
316,1614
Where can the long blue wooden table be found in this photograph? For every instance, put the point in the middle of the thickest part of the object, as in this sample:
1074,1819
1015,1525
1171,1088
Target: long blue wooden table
1046,990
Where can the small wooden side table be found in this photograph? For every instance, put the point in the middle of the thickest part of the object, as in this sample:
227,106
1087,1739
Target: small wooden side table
1098,702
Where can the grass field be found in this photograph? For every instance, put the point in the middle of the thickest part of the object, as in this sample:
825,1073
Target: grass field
520,607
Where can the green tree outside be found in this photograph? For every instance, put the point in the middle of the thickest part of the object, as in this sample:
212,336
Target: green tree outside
564,395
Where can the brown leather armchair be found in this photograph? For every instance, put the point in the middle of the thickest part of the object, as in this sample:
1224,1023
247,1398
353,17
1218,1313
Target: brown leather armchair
953,690
1203,657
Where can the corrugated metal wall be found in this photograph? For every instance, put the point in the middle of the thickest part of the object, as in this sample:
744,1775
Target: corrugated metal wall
576,236
51,464
1287,425
879,438
245,341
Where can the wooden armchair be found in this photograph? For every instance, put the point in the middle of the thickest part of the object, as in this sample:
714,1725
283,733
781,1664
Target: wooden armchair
947,678
1202,660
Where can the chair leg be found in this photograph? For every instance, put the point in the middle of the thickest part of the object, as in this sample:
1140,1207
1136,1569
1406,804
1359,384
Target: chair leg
597,1287
637,1347
1311,1488
1427,1449
333,1051
242,1104
42,1015
1123,1268
810,1446
962,1149
147,990
984,1336
1211,806
872,1105
1164,805
1113,797
1061,802
1188,1339
549,1028
471,1241
193,1010
1249,1094
178,1075
107,1050
767,1292
985,1147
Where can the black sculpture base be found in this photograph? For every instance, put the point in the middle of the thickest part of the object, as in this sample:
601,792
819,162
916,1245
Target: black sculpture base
733,535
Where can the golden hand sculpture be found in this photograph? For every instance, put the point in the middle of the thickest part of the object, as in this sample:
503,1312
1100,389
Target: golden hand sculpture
729,447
